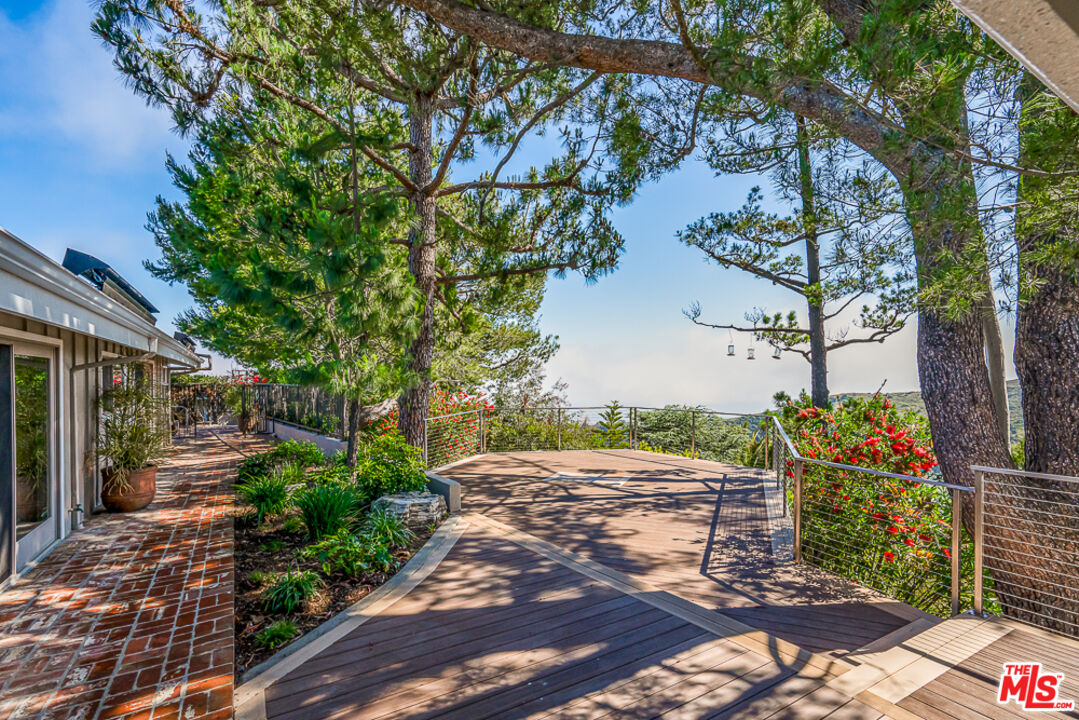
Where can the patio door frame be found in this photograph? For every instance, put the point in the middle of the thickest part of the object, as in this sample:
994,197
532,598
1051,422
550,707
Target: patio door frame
25,552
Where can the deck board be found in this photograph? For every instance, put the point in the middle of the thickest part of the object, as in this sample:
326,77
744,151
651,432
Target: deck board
968,691
474,640
698,529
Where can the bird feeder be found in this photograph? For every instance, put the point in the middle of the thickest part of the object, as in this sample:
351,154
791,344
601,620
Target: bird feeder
751,354
776,353
730,350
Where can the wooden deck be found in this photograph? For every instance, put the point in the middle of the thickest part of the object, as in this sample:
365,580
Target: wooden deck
499,631
695,528
650,592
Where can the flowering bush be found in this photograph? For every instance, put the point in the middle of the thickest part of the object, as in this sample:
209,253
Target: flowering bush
891,534
453,425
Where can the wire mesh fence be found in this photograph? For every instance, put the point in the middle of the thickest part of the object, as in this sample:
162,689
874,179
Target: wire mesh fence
1029,523
306,407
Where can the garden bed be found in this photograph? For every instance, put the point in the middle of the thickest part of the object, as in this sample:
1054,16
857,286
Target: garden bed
272,549
310,539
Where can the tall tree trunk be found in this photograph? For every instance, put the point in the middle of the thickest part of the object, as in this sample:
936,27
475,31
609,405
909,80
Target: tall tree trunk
994,360
1047,362
1047,319
818,359
421,263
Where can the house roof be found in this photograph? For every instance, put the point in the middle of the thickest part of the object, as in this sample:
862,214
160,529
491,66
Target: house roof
34,286
1043,35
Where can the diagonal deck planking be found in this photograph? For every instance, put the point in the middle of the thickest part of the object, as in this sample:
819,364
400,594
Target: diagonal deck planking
695,528
498,631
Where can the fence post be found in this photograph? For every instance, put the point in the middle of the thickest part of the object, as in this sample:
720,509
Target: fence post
797,510
979,538
693,434
957,533
483,414
558,426
426,461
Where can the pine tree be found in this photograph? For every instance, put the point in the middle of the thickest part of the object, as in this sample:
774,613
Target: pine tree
612,426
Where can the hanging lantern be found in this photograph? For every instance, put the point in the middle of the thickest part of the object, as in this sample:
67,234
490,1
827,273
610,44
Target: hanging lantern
751,354
776,353
730,350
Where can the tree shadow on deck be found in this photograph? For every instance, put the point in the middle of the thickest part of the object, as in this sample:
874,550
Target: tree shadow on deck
500,632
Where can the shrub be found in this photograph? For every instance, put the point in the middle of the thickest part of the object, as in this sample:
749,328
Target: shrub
386,529
389,465
332,475
290,452
349,554
890,534
269,494
326,508
292,524
289,591
277,634
304,454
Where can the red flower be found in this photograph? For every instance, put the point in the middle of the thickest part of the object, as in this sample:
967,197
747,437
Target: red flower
836,509
888,557
908,541
893,529
947,552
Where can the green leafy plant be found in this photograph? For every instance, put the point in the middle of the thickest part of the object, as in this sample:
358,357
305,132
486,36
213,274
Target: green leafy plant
349,554
326,508
290,590
134,430
272,546
270,494
259,577
331,475
292,524
277,634
290,452
387,529
389,465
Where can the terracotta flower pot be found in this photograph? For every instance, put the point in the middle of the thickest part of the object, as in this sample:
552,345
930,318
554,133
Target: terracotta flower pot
138,493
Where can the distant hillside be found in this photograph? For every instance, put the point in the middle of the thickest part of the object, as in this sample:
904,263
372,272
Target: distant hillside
913,401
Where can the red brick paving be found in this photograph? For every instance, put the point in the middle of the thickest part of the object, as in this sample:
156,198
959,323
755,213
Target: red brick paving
132,616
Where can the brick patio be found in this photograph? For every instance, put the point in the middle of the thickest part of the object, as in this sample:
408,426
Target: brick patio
131,617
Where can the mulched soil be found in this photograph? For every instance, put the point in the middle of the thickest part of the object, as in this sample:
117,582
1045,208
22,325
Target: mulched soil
271,549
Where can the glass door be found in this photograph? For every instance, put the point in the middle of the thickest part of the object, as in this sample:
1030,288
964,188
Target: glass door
35,454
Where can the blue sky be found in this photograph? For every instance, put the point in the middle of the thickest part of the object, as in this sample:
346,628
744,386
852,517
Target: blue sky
82,159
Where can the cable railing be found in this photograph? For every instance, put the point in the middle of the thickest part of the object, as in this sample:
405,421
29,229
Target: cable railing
1029,523
900,535
688,432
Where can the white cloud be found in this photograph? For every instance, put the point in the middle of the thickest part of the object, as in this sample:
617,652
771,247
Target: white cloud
59,79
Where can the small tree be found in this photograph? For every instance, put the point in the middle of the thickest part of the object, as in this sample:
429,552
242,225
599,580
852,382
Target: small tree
834,252
612,426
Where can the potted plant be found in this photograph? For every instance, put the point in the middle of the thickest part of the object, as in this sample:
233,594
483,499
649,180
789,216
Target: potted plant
134,437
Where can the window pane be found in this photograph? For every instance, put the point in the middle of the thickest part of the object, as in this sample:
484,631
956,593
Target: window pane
32,506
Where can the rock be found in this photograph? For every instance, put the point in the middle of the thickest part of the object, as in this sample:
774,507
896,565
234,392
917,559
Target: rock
413,509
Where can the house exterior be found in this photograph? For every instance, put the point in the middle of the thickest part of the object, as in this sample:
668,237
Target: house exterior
64,336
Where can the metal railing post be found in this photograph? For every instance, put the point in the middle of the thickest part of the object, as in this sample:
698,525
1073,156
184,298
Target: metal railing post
979,538
426,460
957,534
558,425
693,434
797,510
483,438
